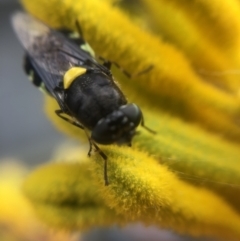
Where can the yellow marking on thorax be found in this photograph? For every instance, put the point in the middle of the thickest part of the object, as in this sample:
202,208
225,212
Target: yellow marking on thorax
71,75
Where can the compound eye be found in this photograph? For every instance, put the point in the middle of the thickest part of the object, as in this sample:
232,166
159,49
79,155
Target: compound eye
102,134
119,126
133,113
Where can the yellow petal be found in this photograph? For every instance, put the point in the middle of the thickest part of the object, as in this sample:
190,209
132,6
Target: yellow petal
17,217
172,84
140,189
208,59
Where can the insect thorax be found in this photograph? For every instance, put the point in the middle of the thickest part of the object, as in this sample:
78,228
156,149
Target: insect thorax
93,96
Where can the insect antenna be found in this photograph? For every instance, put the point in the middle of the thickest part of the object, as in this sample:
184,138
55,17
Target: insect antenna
147,128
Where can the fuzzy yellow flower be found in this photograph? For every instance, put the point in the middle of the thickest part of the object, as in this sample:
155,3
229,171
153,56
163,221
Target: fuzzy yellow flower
17,219
196,116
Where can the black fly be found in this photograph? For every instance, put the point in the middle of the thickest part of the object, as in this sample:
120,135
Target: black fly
85,90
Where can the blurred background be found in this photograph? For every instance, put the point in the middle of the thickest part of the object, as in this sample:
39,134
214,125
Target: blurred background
25,132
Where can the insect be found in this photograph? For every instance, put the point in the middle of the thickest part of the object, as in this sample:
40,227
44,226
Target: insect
85,90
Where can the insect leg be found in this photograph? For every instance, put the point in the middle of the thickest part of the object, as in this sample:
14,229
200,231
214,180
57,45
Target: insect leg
91,143
144,71
130,76
101,153
105,163
75,123
123,70
108,65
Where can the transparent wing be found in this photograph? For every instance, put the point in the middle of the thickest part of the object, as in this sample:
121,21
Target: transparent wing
50,52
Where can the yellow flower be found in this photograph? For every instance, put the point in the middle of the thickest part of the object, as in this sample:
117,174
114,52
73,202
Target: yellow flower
17,219
196,122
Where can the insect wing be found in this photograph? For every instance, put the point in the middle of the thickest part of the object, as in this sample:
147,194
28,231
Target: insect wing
50,52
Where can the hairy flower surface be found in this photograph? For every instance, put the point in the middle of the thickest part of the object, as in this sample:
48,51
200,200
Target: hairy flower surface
187,176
